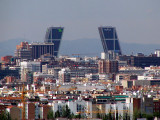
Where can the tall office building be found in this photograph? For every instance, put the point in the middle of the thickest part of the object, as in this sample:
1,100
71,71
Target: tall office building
23,51
54,35
110,41
38,49
108,66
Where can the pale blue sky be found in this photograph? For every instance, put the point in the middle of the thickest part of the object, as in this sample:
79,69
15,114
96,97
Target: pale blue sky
137,21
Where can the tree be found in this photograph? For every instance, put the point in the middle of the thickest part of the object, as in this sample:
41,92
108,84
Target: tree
66,112
116,115
50,115
149,117
136,114
77,116
98,115
72,115
120,117
5,116
110,116
156,114
57,114
105,117
126,116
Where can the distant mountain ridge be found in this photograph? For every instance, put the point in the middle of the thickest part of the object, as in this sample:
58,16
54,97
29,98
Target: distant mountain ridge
88,47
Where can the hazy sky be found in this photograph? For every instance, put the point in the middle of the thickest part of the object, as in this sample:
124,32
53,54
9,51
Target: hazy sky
136,21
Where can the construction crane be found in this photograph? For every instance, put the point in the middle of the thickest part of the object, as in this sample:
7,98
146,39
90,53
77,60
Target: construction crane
23,92
21,98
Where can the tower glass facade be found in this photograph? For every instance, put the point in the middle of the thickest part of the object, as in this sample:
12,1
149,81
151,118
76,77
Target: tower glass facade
54,35
110,41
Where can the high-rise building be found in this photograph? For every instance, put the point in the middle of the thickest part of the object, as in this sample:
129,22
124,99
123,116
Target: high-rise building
64,76
144,61
38,49
27,68
110,41
23,51
54,35
107,66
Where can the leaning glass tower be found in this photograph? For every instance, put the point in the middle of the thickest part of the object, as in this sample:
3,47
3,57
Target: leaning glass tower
54,35
110,41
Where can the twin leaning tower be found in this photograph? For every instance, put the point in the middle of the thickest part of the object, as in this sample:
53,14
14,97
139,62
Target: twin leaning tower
108,35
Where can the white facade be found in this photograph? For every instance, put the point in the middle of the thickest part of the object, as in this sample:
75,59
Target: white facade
29,67
121,109
103,56
157,52
145,78
103,77
77,107
64,75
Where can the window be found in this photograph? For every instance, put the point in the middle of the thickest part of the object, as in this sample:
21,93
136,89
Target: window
108,33
110,44
117,45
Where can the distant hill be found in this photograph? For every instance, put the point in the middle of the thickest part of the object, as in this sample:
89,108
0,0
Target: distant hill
88,47
92,46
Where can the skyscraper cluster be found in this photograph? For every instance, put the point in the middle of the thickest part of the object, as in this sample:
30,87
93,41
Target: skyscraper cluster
50,45
52,42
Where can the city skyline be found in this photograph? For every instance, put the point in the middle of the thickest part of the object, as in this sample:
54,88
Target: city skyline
51,67
135,21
